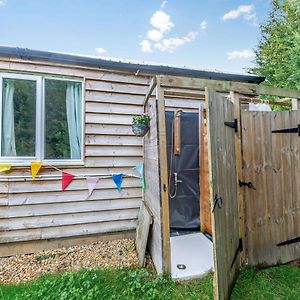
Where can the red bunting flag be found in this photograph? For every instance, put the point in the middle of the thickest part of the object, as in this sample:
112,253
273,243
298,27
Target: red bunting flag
66,180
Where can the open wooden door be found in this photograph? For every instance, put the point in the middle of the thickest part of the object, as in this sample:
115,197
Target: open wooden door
223,191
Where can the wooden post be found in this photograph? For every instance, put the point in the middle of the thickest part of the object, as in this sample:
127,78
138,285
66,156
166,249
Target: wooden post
295,104
235,98
163,166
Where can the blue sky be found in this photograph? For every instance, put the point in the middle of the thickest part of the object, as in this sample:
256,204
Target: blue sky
215,34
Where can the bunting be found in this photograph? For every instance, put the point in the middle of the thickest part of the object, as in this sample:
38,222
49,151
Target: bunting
91,183
91,180
66,180
35,167
5,167
118,178
140,170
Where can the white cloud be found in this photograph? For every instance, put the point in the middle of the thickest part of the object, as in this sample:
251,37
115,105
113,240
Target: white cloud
2,2
155,35
240,54
236,13
170,44
161,21
203,25
245,11
100,51
146,46
163,4
161,25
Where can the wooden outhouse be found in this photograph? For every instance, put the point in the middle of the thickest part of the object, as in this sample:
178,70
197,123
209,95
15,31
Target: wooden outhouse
210,164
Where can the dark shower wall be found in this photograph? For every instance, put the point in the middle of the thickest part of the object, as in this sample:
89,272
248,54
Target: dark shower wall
185,207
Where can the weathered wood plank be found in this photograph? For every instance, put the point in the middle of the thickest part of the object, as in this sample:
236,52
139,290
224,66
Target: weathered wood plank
127,151
227,86
113,108
205,205
68,219
112,161
67,207
54,184
163,175
108,129
152,192
72,196
142,232
222,168
103,140
67,231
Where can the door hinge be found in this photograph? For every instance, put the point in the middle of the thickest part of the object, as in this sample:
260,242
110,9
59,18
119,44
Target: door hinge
247,184
238,249
288,130
218,201
233,124
288,242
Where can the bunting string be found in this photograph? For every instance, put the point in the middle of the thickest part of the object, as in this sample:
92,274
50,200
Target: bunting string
67,177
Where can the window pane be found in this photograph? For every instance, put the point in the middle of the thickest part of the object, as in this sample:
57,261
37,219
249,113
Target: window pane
63,108
18,117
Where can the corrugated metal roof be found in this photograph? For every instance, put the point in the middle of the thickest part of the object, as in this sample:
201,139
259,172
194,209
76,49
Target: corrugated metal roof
149,69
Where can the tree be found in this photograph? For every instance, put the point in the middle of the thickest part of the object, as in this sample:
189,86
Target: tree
278,53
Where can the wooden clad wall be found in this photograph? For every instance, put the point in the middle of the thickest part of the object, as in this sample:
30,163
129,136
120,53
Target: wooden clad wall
37,210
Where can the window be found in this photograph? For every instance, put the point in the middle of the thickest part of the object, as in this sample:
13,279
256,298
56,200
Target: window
41,119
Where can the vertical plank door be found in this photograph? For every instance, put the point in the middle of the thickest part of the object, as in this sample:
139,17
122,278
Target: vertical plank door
271,162
222,167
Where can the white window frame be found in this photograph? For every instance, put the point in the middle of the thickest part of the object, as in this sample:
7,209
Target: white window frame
40,122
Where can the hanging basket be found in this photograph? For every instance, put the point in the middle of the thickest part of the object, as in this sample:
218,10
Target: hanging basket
140,129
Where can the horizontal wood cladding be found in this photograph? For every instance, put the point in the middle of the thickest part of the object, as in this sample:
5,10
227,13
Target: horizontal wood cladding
67,231
54,184
67,208
39,210
69,219
71,196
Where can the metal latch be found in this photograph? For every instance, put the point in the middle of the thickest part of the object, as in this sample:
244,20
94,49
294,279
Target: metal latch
218,201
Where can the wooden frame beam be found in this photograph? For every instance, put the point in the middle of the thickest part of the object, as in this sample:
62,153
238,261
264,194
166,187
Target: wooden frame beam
227,86
163,178
152,86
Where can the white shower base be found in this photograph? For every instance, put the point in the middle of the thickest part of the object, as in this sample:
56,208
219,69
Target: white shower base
195,252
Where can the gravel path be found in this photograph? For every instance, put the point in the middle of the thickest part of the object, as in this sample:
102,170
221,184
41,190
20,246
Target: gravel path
107,254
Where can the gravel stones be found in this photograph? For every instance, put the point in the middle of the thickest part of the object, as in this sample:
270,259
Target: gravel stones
104,254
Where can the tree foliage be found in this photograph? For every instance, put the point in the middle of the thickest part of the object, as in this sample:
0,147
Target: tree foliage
278,53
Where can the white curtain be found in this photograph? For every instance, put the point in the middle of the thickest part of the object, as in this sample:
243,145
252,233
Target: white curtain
74,118
8,120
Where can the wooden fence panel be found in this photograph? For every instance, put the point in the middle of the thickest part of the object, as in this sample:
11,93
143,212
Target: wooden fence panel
222,165
271,163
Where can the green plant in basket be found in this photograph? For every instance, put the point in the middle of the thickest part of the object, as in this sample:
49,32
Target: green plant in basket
143,119
140,125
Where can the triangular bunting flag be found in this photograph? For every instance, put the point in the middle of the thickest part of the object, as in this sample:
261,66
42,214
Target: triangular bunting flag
5,167
66,180
91,183
118,178
35,167
140,170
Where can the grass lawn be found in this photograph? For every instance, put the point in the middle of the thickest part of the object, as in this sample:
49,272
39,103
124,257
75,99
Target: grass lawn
274,283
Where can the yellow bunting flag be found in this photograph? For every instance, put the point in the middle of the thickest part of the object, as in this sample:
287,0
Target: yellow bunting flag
4,167
35,167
